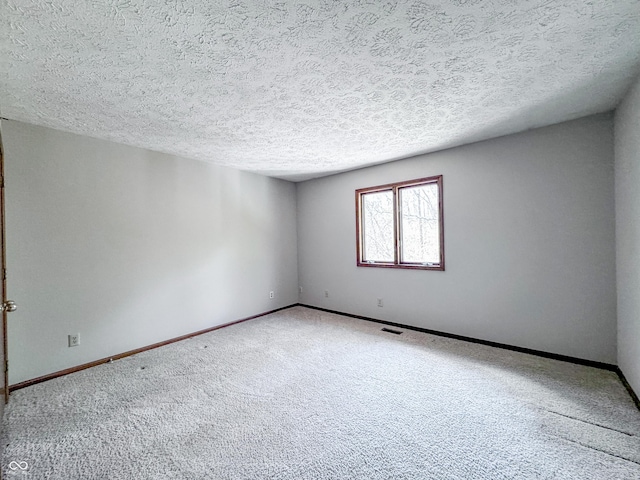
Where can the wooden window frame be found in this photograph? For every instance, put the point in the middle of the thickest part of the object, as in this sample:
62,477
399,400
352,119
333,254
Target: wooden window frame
397,225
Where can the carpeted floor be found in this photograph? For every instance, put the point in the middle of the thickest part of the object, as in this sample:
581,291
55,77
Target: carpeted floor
302,394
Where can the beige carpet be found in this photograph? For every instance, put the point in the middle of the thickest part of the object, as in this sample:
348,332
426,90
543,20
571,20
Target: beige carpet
302,394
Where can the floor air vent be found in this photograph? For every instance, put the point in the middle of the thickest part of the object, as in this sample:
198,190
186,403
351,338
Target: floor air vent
395,332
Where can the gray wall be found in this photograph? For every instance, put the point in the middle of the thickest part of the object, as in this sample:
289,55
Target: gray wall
129,247
627,153
529,237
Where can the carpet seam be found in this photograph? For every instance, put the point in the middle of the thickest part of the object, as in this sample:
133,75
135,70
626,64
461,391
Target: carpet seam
590,423
594,448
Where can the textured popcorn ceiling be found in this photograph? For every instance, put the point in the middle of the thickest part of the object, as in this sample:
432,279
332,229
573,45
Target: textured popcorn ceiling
299,89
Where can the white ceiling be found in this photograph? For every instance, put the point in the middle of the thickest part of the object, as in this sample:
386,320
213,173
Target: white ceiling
300,89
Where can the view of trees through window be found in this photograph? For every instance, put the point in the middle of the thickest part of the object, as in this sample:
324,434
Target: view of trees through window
378,226
420,227
400,225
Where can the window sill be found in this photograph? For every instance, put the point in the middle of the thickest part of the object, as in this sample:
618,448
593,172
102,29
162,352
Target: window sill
406,266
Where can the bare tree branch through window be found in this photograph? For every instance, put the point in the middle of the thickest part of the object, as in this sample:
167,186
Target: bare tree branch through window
400,225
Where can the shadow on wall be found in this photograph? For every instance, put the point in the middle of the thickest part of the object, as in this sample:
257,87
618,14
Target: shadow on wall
130,247
198,253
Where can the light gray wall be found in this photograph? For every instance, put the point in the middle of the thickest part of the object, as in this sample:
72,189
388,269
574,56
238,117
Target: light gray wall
129,247
627,154
529,237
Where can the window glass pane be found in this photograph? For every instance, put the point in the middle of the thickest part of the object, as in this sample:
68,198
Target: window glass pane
377,225
420,232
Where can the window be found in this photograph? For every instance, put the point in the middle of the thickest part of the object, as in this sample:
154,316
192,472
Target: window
399,225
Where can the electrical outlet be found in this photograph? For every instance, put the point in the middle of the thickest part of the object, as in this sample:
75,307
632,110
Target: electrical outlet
271,294
74,340
300,289
380,304
326,294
